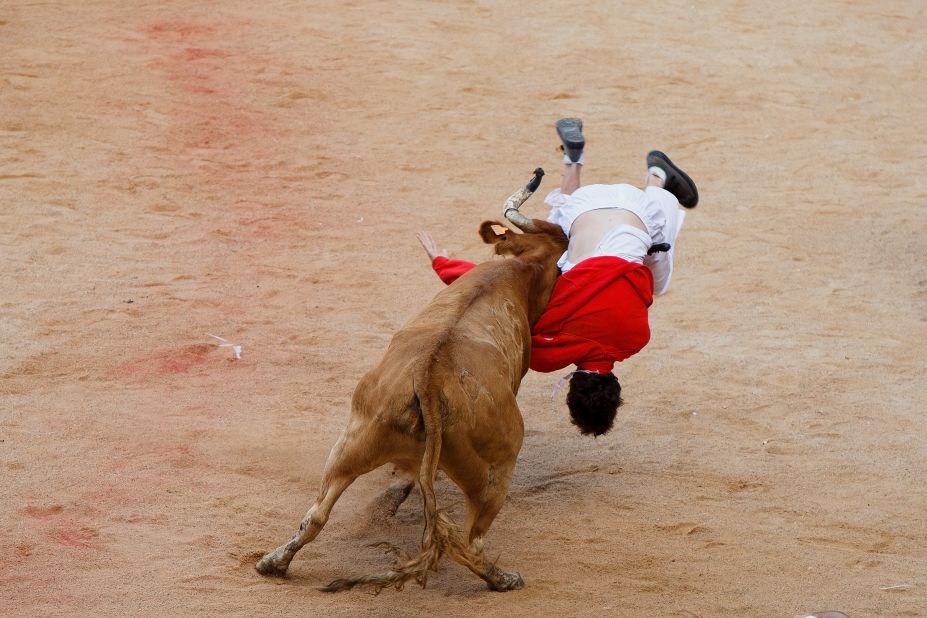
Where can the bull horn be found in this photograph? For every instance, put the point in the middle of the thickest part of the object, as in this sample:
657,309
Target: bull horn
519,220
511,205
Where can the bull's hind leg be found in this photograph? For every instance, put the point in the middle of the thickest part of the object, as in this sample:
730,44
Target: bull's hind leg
354,454
482,508
485,487
278,561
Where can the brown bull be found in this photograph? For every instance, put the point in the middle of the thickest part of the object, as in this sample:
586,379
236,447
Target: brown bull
443,396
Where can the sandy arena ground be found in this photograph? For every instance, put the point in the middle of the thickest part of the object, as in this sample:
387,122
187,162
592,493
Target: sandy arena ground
257,171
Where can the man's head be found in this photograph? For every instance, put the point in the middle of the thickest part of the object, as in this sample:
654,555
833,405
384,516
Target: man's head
593,401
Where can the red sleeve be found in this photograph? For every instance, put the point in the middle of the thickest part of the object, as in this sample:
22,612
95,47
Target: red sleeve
450,270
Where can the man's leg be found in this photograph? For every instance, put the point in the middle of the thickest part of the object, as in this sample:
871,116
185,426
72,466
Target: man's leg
570,182
652,180
655,188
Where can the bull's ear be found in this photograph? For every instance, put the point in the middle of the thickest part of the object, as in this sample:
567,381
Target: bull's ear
492,232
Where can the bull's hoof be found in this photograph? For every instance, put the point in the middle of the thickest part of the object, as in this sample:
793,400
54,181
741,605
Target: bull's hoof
503,581
267,567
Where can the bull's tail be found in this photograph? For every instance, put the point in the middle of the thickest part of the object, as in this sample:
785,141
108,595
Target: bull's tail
441,534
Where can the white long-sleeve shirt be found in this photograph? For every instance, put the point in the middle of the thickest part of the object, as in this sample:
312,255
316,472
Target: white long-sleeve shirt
657,208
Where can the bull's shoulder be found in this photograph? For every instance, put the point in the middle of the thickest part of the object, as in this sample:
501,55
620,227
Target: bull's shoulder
500,271
487,283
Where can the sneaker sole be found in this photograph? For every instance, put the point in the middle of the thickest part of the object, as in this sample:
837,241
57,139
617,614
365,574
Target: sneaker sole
570,131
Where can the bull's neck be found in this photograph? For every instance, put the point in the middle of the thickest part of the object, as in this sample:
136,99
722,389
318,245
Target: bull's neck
543,278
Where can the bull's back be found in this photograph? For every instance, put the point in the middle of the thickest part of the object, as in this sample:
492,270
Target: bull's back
480,322
472,339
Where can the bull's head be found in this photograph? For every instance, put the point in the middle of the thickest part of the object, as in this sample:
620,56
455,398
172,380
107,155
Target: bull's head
539,247
540,239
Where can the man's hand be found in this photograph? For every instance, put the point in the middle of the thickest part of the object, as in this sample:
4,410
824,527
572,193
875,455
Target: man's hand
429,245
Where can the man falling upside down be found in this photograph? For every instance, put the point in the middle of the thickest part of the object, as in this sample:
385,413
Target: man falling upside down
620,255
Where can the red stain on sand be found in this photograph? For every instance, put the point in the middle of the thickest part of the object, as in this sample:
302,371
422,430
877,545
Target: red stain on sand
203,62
171,362
82,537
62,530
182,360
199,90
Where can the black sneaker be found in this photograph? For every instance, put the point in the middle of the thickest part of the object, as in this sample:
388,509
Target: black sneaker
571,134
677,181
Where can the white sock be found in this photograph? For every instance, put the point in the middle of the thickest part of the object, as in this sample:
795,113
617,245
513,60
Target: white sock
658,172
582,159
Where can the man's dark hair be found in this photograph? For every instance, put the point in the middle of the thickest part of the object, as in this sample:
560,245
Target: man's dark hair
593,401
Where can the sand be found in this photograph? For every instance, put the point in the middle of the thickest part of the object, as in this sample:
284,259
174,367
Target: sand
257,171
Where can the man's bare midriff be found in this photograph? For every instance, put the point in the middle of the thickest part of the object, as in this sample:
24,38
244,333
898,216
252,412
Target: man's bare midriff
590,227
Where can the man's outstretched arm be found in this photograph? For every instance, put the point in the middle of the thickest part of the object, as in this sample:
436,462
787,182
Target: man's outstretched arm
449,270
